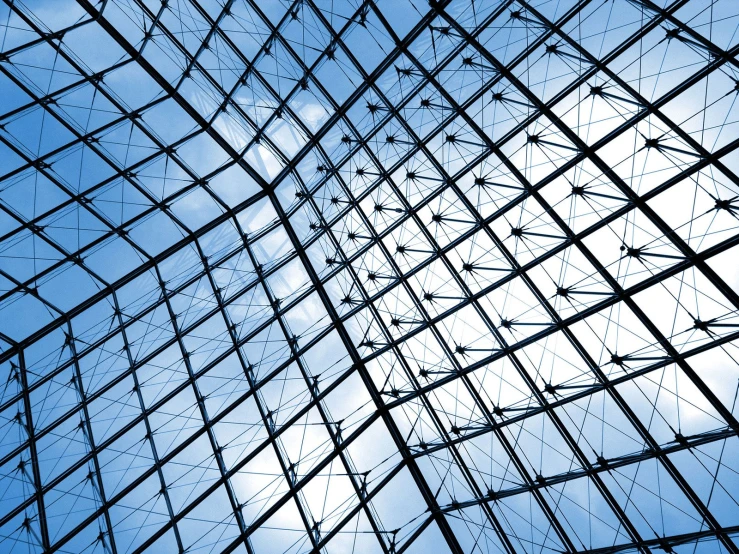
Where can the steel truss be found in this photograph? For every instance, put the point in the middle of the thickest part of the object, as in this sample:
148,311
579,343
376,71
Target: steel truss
353,276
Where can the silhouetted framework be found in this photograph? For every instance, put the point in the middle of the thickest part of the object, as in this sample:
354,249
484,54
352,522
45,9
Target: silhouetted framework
369,276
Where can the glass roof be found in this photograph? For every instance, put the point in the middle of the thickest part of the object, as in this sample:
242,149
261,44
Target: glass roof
353,276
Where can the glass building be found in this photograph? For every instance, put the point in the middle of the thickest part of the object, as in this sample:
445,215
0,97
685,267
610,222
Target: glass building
369,276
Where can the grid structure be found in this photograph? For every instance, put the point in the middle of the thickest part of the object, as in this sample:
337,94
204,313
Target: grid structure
369,276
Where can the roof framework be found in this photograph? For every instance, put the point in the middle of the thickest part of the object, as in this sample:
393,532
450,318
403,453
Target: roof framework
361,276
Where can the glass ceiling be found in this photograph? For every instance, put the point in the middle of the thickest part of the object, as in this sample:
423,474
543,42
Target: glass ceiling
353,276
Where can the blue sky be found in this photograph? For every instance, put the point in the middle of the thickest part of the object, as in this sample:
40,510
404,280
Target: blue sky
239,274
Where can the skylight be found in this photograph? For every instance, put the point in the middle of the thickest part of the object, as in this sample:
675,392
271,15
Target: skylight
353,276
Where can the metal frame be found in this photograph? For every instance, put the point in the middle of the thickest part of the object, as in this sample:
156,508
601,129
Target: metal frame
367,246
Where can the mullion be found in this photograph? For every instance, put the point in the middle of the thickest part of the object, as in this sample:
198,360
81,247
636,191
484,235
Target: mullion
702,152
517,268
634,198
207,315
173,93
558,424
403,280
634,290
568,241
478,224
200,400
81,140
651,214
170,455
183,286
579,244
511,420
343,456
227,96
78,384
664,543
607,465
718,406
668,14
404,283
257,395
149,438
95,80
392,428
38,496
533,116
289,477
340,111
